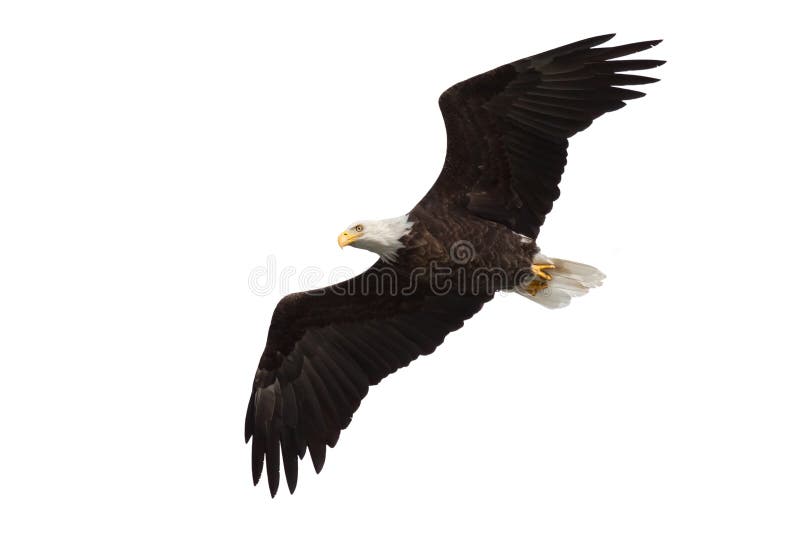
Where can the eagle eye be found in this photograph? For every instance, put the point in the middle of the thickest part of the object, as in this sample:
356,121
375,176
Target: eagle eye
359,228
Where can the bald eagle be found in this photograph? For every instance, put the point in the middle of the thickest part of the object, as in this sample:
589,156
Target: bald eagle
473,234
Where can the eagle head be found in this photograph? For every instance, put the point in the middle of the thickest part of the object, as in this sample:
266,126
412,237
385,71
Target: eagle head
382,237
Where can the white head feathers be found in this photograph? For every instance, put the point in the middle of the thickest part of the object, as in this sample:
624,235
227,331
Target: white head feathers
381,237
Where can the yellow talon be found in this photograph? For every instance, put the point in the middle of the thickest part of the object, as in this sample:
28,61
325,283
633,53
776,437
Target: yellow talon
535,286
538,269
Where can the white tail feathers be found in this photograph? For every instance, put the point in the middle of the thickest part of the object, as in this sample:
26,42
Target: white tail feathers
570,279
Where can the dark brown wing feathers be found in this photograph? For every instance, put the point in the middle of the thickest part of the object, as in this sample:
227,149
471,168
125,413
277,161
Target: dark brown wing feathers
323,352
507,129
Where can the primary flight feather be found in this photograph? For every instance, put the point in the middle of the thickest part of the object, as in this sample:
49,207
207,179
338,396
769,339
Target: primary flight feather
474,233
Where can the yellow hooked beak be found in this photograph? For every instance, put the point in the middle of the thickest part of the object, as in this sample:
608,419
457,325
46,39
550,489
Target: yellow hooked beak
347,238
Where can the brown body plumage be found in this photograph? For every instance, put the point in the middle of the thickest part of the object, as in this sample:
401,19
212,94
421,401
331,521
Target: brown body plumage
465,244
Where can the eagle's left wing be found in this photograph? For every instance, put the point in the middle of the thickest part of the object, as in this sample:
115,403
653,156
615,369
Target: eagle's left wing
325,348
507,129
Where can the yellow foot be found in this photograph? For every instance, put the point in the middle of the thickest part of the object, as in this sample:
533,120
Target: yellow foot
535,286
539,270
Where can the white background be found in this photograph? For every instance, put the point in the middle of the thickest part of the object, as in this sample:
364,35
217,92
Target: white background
153,153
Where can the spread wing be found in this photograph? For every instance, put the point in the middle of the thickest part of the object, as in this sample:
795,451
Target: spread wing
324,350
507,129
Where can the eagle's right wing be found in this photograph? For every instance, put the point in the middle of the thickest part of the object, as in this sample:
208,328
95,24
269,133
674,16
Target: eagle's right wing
507,129
325,348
